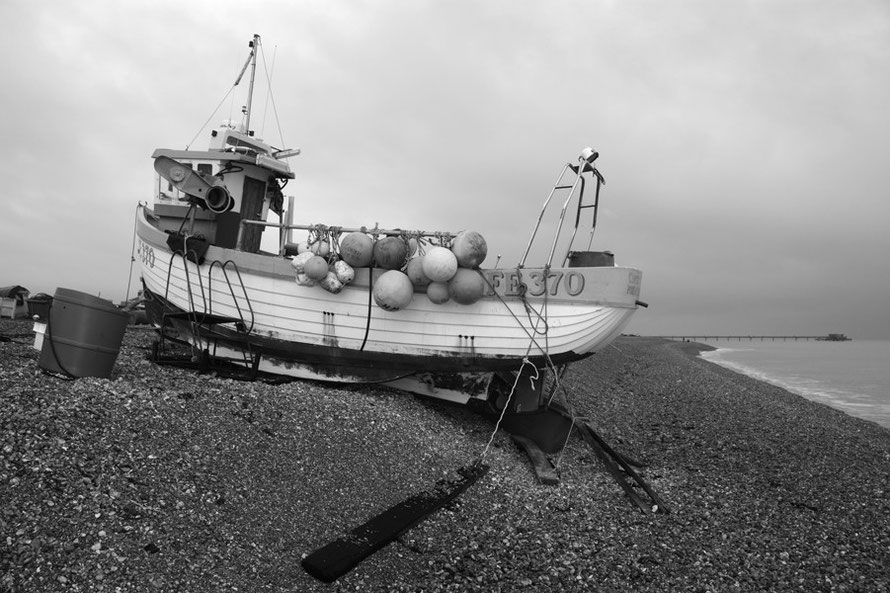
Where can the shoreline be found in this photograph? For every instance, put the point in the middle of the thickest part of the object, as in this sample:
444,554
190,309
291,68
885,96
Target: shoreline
844,396
161,479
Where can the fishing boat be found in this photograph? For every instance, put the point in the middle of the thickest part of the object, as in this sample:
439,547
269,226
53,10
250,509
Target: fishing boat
414,310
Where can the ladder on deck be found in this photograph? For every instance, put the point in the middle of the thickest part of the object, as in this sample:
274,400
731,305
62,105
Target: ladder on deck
206,327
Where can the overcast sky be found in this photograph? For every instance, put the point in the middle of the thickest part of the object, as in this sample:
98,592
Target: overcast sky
745,145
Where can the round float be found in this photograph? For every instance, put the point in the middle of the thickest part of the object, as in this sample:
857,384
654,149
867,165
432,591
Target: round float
415,272
470,249
299,261
437,292
393,290
439,264
316,268
466,287
390,253
344,271
357,250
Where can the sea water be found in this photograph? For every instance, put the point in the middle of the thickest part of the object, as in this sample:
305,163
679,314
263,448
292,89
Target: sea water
852,376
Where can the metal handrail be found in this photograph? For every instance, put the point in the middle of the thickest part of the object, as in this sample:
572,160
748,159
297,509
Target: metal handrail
585,165
531,240
222,267
375,230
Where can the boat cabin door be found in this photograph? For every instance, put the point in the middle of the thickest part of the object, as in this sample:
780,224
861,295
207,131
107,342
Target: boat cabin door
229,231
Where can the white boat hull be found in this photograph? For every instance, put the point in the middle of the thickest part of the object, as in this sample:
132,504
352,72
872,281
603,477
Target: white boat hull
307,332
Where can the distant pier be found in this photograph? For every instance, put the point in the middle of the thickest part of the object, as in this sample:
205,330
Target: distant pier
712,338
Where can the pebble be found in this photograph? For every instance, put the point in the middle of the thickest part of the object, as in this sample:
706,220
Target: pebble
766,490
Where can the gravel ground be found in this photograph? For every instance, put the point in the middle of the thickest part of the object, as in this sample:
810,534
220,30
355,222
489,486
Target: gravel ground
161,479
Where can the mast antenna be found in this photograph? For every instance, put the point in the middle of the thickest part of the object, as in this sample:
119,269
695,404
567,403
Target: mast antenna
251,61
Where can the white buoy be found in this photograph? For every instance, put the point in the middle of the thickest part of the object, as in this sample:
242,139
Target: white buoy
299,261
470,249
439,264
466,287
357,250
331,283
303,280
320,248
437,292
344,271
393,290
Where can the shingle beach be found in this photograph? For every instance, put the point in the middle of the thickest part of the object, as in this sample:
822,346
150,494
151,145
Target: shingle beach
163,479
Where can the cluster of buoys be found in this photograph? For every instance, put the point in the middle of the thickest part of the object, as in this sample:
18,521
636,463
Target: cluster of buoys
450,274
443,273
313,269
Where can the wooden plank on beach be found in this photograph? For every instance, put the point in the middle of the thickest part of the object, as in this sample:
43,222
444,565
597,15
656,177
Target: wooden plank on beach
544,470
335,559
616,464
588,435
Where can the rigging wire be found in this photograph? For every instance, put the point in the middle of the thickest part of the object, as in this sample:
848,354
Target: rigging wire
231,108
269,97
204,125
133,250
269,93
272,97
229,92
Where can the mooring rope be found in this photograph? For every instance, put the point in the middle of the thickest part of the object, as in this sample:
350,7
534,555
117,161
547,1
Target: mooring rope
133,251
513,315
525,360
533,342
497,425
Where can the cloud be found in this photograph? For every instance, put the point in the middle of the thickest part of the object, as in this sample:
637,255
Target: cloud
743,143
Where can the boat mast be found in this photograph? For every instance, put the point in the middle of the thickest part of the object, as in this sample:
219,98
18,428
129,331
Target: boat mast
251,61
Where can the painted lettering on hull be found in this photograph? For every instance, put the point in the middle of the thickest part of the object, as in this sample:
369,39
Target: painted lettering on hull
146,253
534,282
633,284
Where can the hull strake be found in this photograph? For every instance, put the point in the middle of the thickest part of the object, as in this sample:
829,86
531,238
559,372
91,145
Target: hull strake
456,378
330,361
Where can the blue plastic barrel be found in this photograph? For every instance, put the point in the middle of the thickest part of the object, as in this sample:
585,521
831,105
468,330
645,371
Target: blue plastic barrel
84,335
